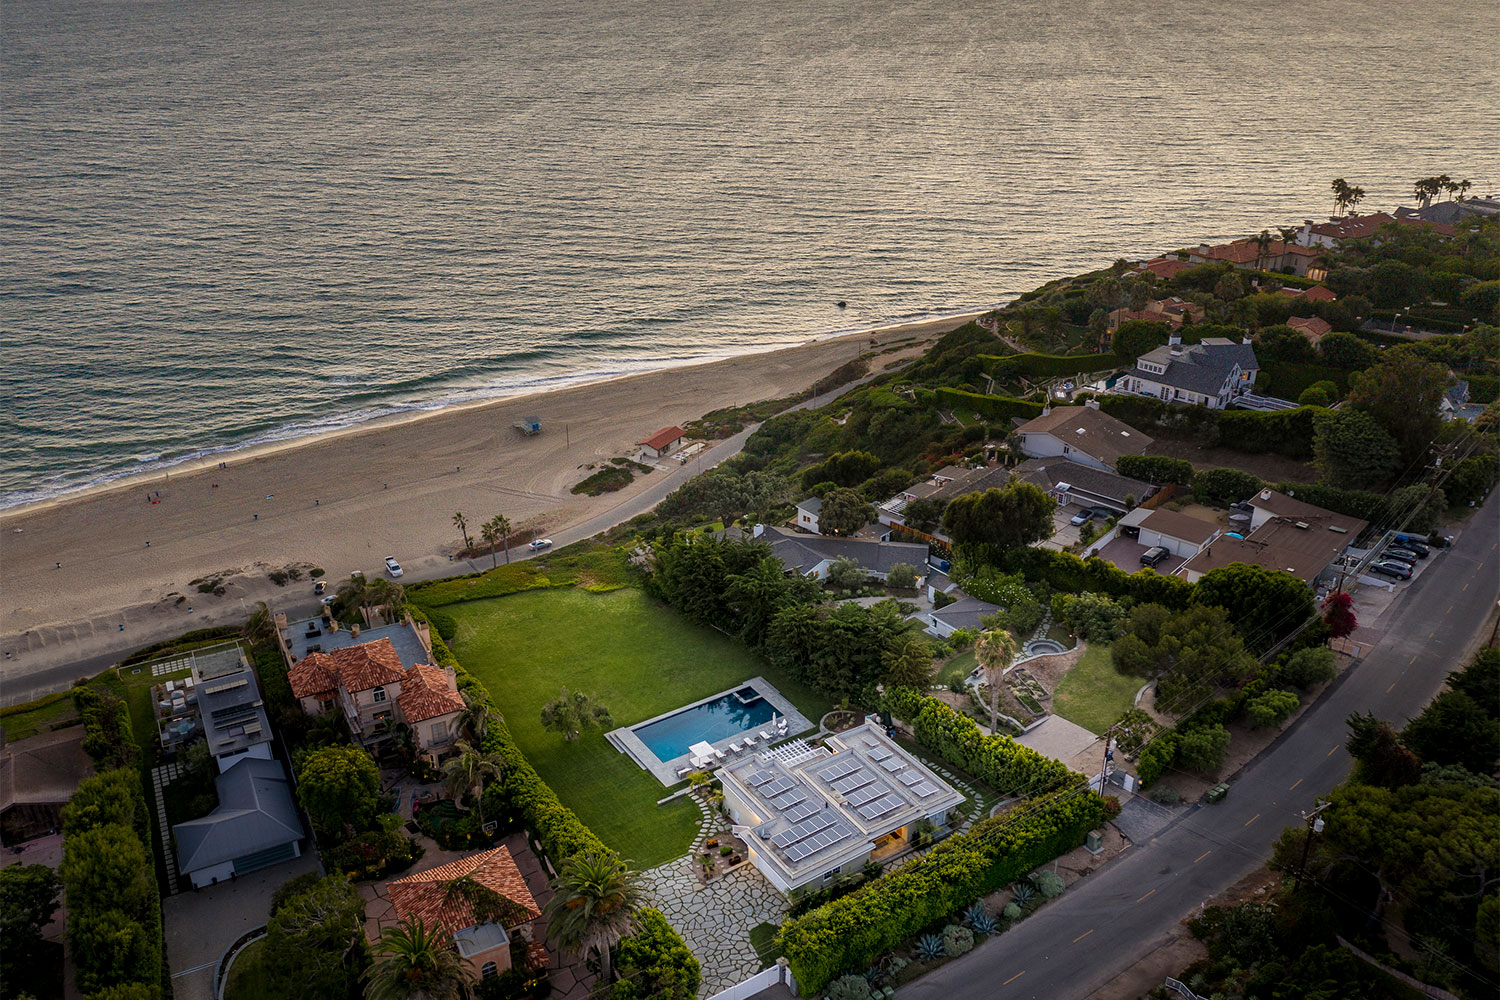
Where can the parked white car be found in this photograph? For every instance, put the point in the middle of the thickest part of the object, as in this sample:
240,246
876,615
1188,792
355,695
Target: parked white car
392,566
540,544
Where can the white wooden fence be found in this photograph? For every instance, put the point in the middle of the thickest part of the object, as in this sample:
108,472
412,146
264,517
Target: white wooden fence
764,979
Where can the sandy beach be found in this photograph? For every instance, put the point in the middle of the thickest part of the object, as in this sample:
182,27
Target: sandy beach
345,501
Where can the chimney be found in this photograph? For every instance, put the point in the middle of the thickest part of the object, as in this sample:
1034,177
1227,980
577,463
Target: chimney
1046,410
1092,404
1174,339
354,631
1245,340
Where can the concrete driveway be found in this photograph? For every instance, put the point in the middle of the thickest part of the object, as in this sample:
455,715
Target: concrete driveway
201,924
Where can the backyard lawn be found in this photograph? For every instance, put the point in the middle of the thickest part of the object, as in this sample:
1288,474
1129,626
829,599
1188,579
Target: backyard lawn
955,669
1093,694
640,659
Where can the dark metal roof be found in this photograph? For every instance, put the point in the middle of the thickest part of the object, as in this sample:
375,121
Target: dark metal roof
256,812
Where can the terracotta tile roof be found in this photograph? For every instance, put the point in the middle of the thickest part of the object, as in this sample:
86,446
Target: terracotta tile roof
1167,267
1248,252
314,674
426,694
425,894
368,665
663,437
1311,327
1320,293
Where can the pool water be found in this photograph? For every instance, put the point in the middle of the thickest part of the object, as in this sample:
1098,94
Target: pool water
723,718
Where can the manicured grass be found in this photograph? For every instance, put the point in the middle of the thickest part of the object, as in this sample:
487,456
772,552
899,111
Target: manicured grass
640,659
1093,694
762,939
247,977
955,669
586,564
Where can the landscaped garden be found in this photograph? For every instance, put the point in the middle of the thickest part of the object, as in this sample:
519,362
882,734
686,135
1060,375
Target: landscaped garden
1094,694
635,657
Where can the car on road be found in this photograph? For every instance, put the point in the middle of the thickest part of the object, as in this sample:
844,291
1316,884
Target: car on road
539,544
1404,554
392,566
1154,555
1392,568
320,587
328,600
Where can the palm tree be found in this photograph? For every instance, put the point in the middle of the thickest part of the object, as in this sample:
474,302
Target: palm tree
462,524
1340,195
501,526
417,964
1356,195
995,651
1262,248
468,769
262,626
596,897
476,717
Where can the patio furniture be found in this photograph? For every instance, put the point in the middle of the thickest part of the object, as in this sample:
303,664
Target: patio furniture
736,746
719,754
684,771
765,736
749,741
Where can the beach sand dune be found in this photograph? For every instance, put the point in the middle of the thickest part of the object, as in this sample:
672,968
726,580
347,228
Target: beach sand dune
345,501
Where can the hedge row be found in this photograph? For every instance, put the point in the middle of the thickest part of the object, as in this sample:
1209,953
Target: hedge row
107,737
1280,432
852,932
1158,470
108,875
1049,365
994,407
1066,572
998,761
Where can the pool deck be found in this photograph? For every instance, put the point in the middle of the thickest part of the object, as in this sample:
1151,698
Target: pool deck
627,742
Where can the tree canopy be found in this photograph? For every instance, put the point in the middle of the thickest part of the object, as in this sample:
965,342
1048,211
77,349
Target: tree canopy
1017,514
339,786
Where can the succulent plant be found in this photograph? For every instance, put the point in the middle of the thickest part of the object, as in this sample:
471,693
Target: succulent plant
980,921
1023,893
849,988
957,940
1012,912
929,946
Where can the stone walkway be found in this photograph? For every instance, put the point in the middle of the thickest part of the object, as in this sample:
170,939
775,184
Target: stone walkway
715,919
161,777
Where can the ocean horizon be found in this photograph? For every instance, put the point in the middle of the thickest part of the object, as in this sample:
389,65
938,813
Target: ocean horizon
226,225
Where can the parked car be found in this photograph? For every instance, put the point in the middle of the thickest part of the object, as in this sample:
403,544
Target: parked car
1404,554
1103,513
1154,555
392,566
539,544
1391,568
1420,549
320,587
1082,517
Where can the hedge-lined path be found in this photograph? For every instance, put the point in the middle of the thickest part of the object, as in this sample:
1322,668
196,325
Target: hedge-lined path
715,919
161,777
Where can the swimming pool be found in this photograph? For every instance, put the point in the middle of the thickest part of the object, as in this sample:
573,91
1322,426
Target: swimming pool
727,716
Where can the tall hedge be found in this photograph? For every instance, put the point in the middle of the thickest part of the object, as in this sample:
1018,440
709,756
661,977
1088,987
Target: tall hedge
1066,572
1279,432
654,964
993,407
1158,470
1047,365
998,761
852,932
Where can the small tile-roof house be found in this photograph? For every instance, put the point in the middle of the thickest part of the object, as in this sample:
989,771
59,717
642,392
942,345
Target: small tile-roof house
1311,327
481,938
1166,267
1360,227
1211,373
1286,534
1317,293
663,442
430,704
1248,255
1082,434
255,825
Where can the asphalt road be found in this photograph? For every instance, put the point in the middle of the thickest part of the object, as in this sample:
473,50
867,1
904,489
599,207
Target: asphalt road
1105,923
97,645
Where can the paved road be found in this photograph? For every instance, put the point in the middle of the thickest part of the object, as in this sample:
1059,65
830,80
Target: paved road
1077,944
97,645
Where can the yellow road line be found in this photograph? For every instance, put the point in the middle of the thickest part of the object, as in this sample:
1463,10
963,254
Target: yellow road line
1252,819
1389,689
1083,935
1294,787
1014,978
1411,661
1335,747
1201,856
1143,898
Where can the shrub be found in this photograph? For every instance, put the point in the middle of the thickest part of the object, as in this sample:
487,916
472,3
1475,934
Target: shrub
852,932
1049,884
1158,470
1111,806
1224,486
1012,912
929,947
901,576
1271,709
655,963
1156,758
1166,796
849,988
1203,749
993,407
373,854
1308,667
1095,617
957,940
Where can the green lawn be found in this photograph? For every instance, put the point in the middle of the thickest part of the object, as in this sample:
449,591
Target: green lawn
247,977
640,659
1093,694
956,669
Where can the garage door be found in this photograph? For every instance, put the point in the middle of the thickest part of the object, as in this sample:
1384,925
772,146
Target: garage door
264,859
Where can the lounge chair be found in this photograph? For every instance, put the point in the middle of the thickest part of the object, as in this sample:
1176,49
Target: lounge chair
736,746
765,736
684,771
719,753
749,741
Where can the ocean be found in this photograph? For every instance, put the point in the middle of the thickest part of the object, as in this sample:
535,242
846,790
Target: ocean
225,223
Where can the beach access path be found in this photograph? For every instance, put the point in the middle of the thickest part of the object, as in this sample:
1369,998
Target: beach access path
355,515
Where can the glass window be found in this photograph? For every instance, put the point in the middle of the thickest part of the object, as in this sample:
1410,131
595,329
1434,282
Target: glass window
440,730
488,971
378,694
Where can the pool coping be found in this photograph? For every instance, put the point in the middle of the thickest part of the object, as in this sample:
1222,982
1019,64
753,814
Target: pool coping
627,742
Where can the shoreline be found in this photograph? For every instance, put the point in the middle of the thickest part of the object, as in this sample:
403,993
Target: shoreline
125,563
210,457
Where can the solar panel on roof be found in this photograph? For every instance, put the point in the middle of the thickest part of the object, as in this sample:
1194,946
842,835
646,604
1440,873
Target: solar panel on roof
790,799
925,789
879,753
776,787
800,812
877,809
838,769
758,778
909,778
858,779
894,764
785,838
866,794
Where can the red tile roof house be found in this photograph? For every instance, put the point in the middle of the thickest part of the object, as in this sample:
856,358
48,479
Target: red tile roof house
1246,255
372,688
663,442
1311,327
1166,268
1317,293
482,938
1173,311
1359,227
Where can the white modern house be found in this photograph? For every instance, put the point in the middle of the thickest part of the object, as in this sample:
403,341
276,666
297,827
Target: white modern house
231,708
807,515
1083,434
1211,373
810,814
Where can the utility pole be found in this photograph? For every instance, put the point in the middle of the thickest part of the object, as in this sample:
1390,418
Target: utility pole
1314,825
1109,757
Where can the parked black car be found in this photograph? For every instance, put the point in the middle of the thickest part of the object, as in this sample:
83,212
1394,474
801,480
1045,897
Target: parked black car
1391,568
